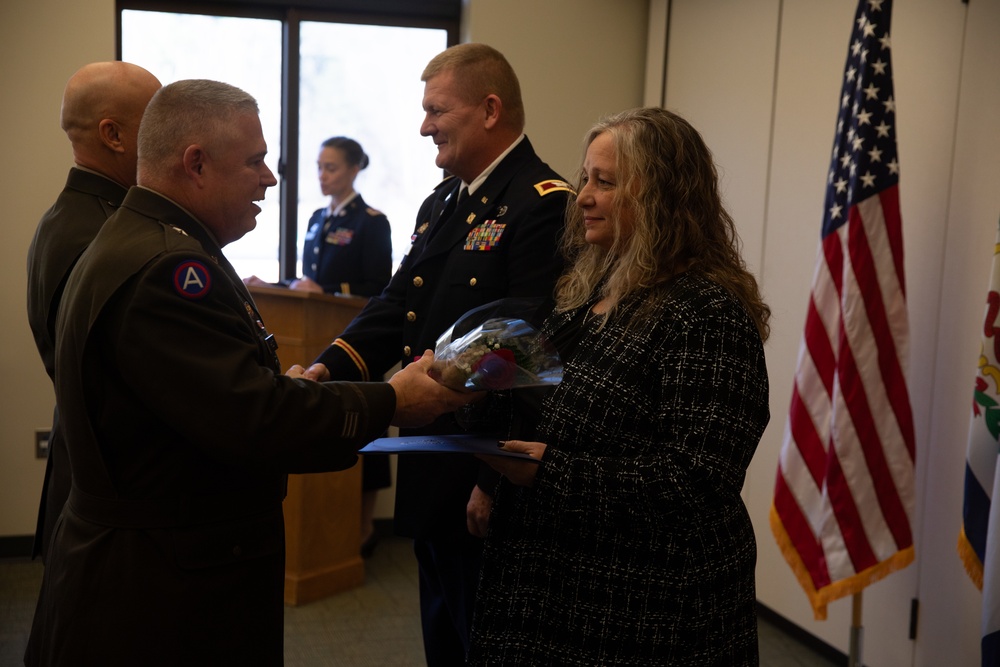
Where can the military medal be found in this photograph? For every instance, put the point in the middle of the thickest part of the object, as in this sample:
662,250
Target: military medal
485,236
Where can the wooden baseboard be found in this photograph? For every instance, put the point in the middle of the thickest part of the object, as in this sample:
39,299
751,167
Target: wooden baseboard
304,588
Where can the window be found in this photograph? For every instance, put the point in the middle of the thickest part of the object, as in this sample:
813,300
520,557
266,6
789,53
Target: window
355,79
373,98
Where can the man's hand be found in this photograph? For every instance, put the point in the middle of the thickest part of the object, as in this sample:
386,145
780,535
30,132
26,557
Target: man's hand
420,399
316,372
477,512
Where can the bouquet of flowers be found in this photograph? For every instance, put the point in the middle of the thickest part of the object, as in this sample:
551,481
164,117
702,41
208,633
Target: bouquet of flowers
487,350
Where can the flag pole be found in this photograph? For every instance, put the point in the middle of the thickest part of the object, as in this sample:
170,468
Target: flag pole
857,632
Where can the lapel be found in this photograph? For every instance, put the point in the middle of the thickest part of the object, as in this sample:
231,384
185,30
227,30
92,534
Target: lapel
443,195
444,207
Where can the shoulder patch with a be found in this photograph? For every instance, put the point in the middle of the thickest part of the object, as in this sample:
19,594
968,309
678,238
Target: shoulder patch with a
192,279
553,185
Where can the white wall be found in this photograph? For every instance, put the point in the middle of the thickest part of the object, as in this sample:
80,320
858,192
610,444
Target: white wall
965,251
577,60
761,79
41,44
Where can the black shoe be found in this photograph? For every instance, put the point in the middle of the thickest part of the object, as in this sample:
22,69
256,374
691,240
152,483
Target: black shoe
368,546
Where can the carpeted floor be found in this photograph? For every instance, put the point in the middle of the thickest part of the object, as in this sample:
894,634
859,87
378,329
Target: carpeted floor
374,625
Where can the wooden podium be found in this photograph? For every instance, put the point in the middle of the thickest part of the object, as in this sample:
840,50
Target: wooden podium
322,510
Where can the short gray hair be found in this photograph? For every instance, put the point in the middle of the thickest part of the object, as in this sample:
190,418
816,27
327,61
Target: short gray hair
188,112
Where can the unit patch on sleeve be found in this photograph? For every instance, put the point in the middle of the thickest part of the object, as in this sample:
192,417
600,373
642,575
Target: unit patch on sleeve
553,185
192,279
484,236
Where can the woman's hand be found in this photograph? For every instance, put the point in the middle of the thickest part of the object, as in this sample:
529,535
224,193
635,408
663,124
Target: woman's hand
306,285
254,281
521,473
477,512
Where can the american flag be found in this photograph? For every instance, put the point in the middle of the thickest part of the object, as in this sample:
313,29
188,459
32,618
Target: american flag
843,497
979,539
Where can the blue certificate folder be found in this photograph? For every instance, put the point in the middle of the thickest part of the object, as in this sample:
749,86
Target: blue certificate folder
462,443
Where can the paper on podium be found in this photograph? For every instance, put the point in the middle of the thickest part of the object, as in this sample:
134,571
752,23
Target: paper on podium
461,443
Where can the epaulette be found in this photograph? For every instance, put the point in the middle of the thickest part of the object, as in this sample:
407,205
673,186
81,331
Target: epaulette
373,212
553,185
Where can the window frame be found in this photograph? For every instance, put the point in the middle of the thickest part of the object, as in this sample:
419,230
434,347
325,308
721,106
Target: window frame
436,14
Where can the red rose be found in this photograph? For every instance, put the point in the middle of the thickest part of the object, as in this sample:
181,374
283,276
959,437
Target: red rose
495,370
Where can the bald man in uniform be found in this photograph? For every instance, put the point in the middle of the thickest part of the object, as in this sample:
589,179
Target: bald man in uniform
102,105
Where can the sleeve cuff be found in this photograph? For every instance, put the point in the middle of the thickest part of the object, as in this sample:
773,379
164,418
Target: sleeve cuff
344,362
374,403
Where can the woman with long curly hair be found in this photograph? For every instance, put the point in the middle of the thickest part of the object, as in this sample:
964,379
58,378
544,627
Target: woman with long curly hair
628,542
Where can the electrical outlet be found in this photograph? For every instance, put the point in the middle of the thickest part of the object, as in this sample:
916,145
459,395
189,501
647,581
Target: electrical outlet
41,443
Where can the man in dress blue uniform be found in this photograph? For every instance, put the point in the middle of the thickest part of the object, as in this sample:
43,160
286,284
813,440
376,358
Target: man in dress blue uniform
179,426
101,109
488,231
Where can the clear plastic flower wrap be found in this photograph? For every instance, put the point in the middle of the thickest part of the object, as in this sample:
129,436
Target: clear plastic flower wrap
496,347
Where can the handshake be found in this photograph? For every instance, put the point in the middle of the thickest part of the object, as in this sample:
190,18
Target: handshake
420,399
